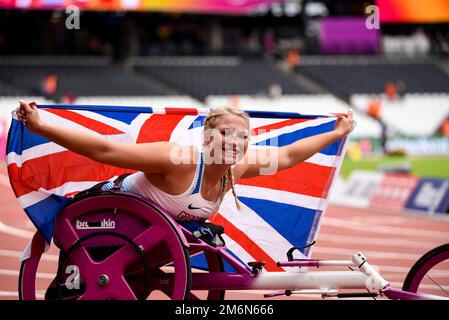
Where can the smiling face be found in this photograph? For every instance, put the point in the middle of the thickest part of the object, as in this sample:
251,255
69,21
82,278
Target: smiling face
226,138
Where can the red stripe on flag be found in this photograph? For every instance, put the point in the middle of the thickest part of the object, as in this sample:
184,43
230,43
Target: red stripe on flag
305,178
89,123
158,127
182,111
54,170
277,125
245,242
71,194
16,184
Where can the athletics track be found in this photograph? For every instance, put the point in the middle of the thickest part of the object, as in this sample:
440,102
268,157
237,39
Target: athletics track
393,242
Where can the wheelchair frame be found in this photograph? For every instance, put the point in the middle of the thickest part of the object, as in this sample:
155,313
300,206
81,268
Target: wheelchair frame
145,239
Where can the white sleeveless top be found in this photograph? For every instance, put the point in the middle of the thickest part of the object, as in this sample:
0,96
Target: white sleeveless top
189,205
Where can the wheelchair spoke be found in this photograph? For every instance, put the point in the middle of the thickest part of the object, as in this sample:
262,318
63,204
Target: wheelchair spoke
126,254
79,256
69,235
89,296
122,291
442,289
116,289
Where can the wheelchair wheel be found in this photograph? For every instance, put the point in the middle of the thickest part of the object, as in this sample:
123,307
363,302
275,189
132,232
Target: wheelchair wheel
430,274
105,237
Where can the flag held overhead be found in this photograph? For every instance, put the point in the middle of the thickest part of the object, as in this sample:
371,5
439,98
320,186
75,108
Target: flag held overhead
278,211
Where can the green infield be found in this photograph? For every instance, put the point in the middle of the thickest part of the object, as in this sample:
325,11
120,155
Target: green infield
420,166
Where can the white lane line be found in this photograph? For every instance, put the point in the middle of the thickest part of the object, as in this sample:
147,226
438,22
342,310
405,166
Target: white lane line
15,231
357,226
15,273
434,288
382,268
348,253
395,284
15,294
393,269
405,218
9,272
382,242
18,254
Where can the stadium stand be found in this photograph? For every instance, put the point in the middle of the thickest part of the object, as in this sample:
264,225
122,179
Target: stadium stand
197,77
346,75
204,76
244,82
89,77
146,101
417,114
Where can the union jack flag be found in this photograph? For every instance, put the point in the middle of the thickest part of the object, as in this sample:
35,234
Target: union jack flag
278,211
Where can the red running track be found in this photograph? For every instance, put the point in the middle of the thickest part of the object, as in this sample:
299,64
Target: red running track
393,242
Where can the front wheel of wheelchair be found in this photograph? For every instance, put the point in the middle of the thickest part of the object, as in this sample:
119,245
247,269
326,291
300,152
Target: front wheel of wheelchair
430,274
112,267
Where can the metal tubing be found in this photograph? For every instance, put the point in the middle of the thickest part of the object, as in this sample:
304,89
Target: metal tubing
316,263
393,293
320,280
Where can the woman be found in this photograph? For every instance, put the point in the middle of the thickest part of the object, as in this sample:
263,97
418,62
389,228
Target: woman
188,183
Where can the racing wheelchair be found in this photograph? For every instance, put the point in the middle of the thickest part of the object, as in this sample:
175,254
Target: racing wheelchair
126,247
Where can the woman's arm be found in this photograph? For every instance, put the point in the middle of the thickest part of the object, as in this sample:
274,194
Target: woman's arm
146,157
292,154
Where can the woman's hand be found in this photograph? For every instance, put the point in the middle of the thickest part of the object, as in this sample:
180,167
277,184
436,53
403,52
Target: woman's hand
29,115
344,125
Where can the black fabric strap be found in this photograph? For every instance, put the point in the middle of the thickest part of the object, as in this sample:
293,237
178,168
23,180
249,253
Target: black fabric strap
119,181
92,189
117,185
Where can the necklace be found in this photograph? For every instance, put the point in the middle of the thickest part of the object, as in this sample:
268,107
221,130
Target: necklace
209,190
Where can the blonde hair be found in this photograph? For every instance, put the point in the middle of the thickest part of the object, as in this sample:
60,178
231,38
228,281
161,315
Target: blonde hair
210,123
